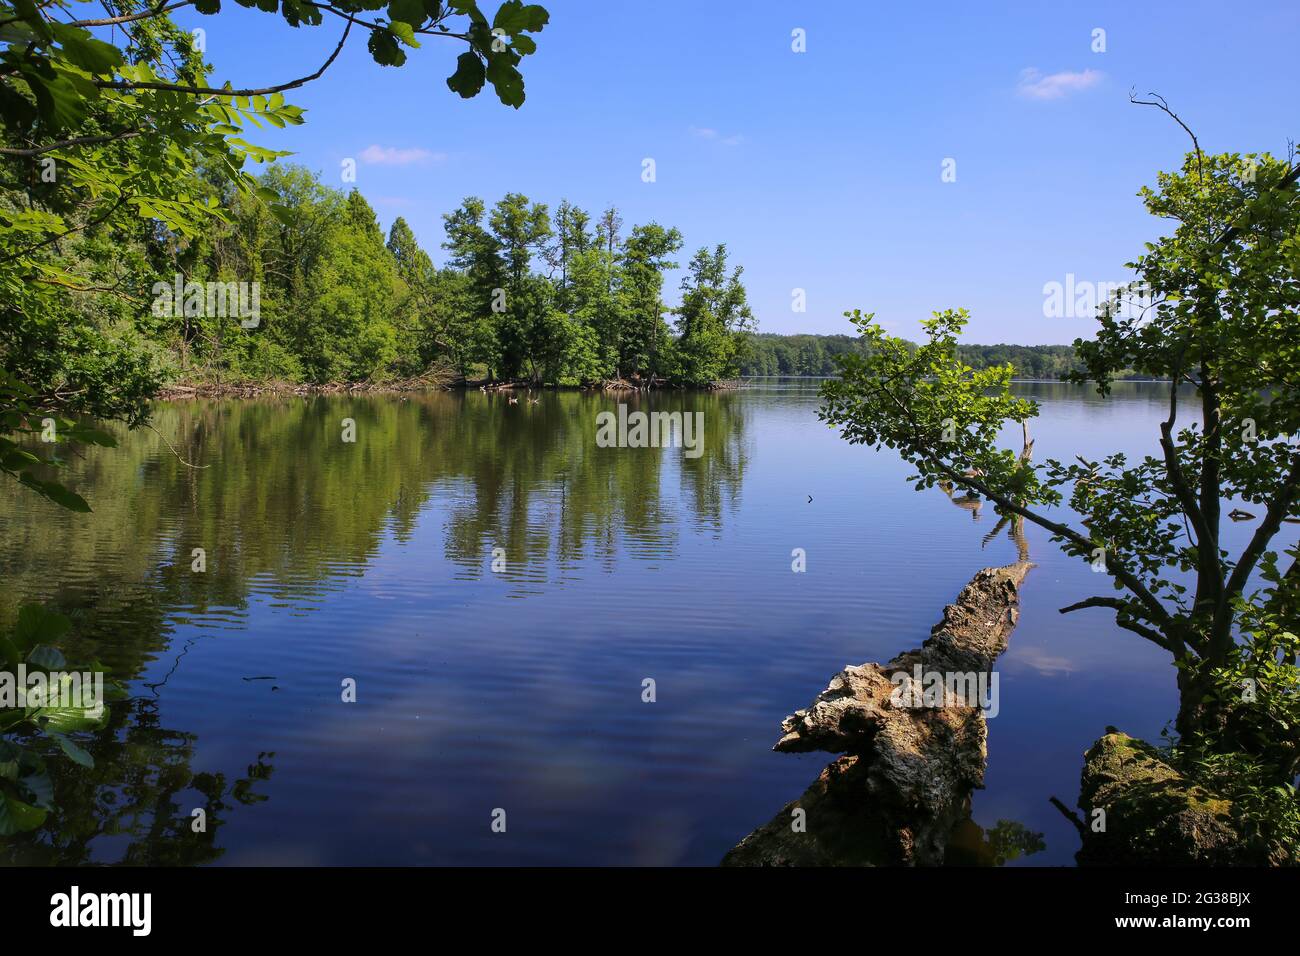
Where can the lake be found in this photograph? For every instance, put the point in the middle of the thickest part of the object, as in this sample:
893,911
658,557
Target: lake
520,688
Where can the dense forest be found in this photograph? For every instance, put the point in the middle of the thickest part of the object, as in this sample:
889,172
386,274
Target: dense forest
770,354
300,284
549,296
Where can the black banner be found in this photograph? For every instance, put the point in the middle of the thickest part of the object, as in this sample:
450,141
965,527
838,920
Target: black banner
244,905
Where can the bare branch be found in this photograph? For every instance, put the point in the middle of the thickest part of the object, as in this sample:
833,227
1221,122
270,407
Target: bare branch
75,141
172,447
210,91
131,17
1071,816
1277,510
1159,103
1124,618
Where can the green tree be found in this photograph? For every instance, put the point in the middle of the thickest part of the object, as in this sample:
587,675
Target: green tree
1222,317
713,320
571,239
430,326
645,333
121,155
351,299
476,253
598,272
522,229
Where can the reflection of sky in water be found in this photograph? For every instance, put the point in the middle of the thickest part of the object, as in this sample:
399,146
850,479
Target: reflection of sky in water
522,690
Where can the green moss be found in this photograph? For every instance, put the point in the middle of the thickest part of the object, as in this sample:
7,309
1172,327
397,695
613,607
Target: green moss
1153,814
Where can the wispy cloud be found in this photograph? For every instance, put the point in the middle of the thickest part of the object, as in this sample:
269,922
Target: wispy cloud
705,132
1048,665
375,155
1035,86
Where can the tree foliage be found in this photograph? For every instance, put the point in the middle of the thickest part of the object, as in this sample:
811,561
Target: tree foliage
122,166
1220,313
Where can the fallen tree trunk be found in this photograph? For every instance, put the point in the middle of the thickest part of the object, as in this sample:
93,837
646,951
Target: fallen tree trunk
908,769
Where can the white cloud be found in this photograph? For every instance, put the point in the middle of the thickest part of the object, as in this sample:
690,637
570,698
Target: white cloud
705,132
396,156
1036,659
1035,86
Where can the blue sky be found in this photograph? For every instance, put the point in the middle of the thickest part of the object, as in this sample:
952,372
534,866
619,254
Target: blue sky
820,170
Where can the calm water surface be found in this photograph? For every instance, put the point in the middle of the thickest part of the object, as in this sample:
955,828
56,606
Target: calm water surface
521,689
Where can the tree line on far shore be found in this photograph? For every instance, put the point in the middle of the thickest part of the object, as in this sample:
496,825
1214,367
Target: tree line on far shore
772,354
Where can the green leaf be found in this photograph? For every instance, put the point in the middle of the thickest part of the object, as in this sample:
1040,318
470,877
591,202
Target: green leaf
384,48
76,753
506,80
470,9
83,50
15,458
18,817
38,625
93,436
67,720
27,11
58,99
409,11
469,76
47,658
56,492
405,32
514,17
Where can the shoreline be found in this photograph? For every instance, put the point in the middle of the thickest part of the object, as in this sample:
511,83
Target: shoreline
213,390
186,390
183,390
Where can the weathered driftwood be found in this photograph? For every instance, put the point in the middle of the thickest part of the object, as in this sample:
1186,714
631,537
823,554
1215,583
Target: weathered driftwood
907,772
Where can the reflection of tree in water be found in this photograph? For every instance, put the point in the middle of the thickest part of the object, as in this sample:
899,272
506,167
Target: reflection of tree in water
970,844
531,480
278,498
283,507
135,806
1013,523
971,502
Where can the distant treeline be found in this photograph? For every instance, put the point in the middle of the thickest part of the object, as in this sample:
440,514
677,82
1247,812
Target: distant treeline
771,354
